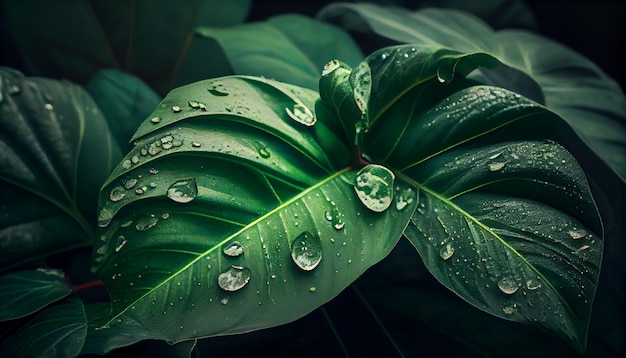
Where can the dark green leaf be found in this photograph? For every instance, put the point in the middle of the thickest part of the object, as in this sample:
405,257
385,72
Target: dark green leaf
133,36
57,151
124,100
58,331
505,217
26,292
290,48
571,85
235,211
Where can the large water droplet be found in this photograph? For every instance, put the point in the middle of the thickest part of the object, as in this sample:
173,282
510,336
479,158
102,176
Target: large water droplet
577,233
117,194
508,285
447,251
301,114
306,251
104,217
233,249
361,81
494,167
234,279
146,222
130,183
183,191
374,187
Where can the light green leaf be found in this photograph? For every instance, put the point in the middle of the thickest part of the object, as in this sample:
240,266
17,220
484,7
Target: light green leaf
289,48
58,331
557,77
231,215
26,292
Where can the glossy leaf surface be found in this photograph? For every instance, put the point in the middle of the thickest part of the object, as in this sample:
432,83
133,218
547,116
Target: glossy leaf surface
25,292
57,150
289,48
504,215
237,204
557,77
58,331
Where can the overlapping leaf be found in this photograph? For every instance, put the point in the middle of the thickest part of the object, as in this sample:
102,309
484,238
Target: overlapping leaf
235,211
505,218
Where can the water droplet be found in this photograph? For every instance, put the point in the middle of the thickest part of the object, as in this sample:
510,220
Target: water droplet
577,234
339,225
361,81
217,90
532,284
312,289
234,279
404,198
224,300
155,120
447,251
146,222
507,285
330,67
176,109
134,159
306,251
301,114
126,164
234,249
183,191
196,144
374,187
121,241
14,90
153,171
49,106
117,194
494,167
130,183
509,309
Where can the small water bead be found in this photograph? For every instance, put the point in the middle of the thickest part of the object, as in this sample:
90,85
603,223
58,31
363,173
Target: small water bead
117,194
234,279
374,187
494,167
155,120
218,90
306,251
576,233
404,197
196,144
508,285
533,284
234,249
146,222
153,171
126,164
447,251
183,191
121,241
301,114
312,289
176,109
130,183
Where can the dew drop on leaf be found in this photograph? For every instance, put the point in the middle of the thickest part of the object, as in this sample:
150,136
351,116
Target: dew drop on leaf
374,187
183,191
126,164
361,80
146,222
121,241
306,251
507,285
234,279
494,167
130,183
330,67
533,284
176,109
155,120
447,251
577,234
404,197
233,249
301,114
117,194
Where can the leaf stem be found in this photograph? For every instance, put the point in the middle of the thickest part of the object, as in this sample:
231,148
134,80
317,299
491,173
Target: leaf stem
87,285
334,330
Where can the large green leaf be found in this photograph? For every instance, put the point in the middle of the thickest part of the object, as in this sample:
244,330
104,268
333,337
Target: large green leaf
289,48
27,291
133,36
56,151
215,223
505,217
58,331
566,82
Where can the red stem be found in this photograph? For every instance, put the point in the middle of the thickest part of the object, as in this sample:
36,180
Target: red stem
88,285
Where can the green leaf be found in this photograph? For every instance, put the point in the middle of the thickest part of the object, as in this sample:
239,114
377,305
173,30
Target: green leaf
124,100
26,292
113,34
505,217
57,150
564,81
238,205
58,331
290,48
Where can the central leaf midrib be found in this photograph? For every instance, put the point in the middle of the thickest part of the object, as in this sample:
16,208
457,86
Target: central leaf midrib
227,239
